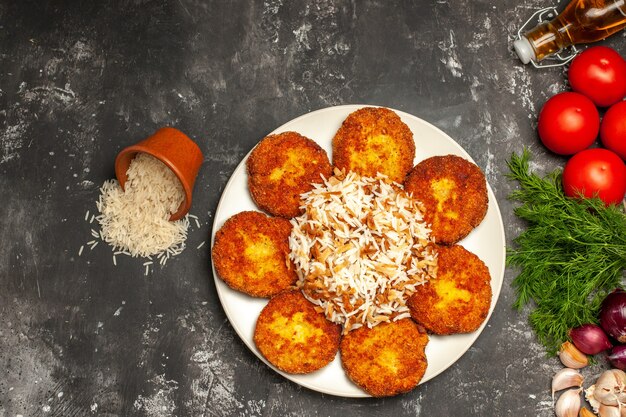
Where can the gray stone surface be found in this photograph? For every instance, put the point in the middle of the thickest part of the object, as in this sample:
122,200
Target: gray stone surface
81,80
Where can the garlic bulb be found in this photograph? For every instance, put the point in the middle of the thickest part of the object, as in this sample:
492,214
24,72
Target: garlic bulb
568,404
566,378
572,357
610,388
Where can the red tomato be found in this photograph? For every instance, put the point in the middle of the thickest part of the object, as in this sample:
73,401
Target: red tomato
613,129
596,172
599,73
568,123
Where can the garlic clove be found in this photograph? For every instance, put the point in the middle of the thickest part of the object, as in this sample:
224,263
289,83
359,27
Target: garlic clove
584,412
566,378
620,377
572,357
568,404
608,411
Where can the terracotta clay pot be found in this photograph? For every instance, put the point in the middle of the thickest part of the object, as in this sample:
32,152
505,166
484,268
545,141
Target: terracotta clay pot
174,149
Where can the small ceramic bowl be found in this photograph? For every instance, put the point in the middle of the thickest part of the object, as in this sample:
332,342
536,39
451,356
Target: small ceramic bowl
174,149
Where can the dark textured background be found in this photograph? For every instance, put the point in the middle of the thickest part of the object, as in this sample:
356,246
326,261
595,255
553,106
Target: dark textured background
81,80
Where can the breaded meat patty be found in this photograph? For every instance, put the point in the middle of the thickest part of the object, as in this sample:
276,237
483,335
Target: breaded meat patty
386,360
458,300
372,140
251,254
293,336
283,166
454,193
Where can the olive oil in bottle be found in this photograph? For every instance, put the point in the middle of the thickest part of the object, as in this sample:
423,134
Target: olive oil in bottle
582,21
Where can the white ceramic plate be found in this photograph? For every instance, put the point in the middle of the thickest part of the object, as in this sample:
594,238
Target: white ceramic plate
487,241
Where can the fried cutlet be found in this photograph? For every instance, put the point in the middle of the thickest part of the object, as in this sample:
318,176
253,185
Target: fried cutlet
458,300
387,359
251,254
283,166
372,140
293,336
454,193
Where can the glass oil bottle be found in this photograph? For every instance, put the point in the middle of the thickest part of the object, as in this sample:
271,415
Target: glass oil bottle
582,21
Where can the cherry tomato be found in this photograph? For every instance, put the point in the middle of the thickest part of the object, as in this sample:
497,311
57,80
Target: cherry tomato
613,129
596,172
599,73
568,123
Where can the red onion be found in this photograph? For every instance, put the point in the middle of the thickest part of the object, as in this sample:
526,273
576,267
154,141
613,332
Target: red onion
618,357
613,315
590,339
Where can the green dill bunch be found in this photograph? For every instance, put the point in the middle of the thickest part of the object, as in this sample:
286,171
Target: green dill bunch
571,255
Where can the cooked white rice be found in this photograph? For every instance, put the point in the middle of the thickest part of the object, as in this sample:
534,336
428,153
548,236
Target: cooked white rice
136,221
360,249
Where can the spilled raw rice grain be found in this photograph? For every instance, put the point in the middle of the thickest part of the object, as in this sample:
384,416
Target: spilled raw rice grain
360,249
195,218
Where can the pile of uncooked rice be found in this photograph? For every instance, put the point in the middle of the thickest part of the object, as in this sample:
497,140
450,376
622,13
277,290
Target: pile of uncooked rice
360,249
135,221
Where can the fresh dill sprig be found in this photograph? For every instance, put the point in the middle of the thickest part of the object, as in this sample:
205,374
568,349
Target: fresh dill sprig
571,255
